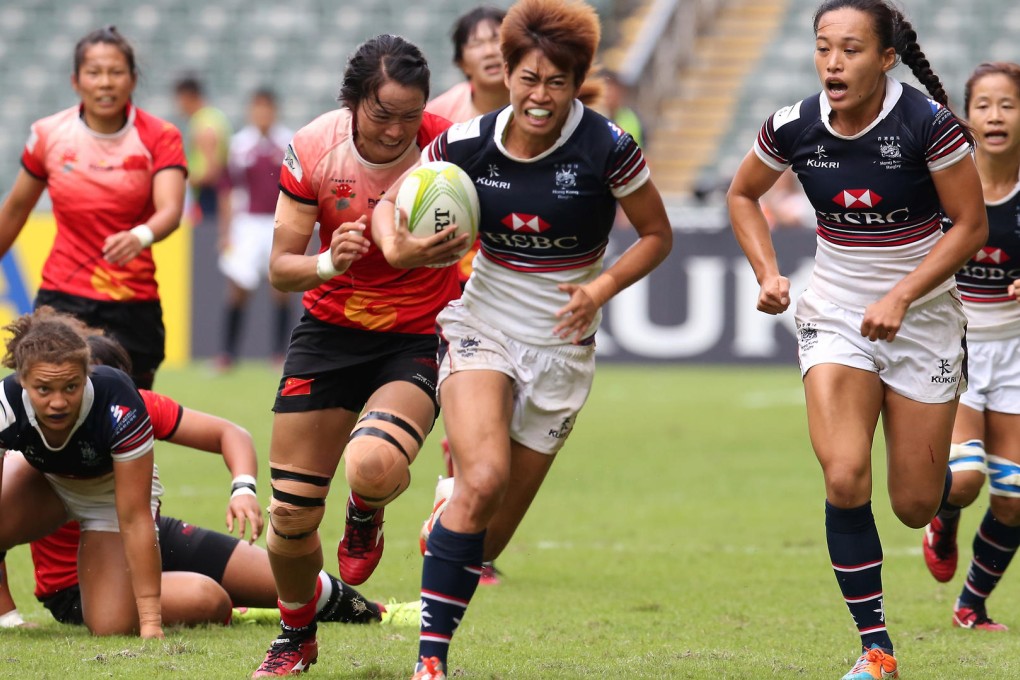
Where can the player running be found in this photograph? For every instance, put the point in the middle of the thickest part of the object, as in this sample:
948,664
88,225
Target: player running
880,327
517,351
986,436
360,374
115,175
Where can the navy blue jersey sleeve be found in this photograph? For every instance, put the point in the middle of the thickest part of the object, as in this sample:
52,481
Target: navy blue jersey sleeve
131,429
626,168
776,139
9,391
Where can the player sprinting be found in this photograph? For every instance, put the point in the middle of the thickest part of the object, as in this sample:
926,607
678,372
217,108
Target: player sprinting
360,373
880,327
986,436
115,175
517,351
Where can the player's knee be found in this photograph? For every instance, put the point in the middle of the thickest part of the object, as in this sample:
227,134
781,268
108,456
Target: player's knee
847,486
914,509
378,457
210,604
297,508
102,626
1004,489
480,489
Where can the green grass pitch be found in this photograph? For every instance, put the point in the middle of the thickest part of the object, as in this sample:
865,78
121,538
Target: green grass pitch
679,535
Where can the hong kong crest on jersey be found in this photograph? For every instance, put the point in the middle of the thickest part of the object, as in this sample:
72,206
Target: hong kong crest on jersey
566,180
88,453
889,148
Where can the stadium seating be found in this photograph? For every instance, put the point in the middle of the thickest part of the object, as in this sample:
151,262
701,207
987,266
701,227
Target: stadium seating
298,47
956,35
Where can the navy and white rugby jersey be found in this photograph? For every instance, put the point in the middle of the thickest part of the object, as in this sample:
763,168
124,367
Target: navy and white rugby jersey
544,220
877,209
992,314
113,426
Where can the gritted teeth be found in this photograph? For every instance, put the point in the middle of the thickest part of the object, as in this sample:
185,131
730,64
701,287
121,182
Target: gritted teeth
539,113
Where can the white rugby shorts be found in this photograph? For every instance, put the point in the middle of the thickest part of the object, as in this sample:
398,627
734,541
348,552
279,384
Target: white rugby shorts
550,383
246,260
92,501
993,375
926,362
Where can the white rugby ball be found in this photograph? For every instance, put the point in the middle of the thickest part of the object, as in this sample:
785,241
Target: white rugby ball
437,195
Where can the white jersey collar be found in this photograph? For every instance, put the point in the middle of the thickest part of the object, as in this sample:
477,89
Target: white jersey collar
893,92
87,399
503,119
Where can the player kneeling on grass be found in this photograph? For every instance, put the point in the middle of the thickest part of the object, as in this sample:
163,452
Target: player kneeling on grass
205,573
517,351
87,444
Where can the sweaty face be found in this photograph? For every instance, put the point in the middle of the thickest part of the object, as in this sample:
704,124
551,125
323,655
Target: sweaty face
481,60
105,83
849,61
994,114
55,392
541,94
388,121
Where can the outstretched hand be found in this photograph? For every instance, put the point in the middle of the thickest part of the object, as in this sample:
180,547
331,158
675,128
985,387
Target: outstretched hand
247,513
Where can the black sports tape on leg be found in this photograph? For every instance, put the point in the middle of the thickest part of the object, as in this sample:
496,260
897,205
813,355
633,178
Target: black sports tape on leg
314,480
290,537
300,501
382,434
396,420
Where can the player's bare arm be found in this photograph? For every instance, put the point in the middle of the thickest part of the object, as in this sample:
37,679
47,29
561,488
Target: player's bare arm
133,490
168,187
290,269
17,207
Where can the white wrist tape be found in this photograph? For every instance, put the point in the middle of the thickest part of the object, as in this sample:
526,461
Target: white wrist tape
144,235
324,265
243,485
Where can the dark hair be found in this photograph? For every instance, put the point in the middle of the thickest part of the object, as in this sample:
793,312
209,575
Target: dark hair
466,24
567,32
108,352
893,30
189,85
379,60
46,336
108,35
1006,68
266,94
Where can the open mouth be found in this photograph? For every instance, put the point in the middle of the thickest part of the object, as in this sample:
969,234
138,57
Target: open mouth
835,87
541,114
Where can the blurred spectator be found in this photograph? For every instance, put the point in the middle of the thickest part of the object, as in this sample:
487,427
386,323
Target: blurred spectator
206,141
248,202
786,205
614,106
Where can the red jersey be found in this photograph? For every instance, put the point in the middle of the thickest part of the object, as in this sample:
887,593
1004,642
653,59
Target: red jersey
56,556
455,104
100,185
323,168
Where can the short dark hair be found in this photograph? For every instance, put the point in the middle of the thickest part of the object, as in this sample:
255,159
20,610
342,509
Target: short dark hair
189,84
567,32
264,93
467,23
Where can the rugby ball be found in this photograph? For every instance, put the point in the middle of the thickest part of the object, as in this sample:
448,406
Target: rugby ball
444,489
437,195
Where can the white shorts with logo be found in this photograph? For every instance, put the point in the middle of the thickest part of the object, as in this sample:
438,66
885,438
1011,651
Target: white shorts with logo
92,501
550,383
926,362
246,261
993,373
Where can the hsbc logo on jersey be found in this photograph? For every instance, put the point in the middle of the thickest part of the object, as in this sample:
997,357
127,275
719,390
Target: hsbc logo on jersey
991,256
857,198
522,222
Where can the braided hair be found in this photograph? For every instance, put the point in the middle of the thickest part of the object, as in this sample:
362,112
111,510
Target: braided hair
894,30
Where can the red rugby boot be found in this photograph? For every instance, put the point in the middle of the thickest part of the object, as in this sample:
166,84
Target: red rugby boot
362,545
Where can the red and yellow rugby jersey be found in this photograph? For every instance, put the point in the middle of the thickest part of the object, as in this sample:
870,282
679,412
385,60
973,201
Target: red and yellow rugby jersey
100,184
322,167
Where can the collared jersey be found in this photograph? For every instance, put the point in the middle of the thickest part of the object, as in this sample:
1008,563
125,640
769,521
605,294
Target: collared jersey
455,104
992,313
878,211
100,185
323,168
55,557
545,220
113,426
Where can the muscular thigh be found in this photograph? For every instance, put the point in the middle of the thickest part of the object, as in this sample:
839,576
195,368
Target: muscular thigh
29,508
312,440
843,405
918,436
1002,435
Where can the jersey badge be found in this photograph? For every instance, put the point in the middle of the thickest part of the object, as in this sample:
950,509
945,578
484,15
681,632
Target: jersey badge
522,222
290,159
566,180
857,198
122,417
819,160
344,193
892,156
297,387
88,453
615,129
68,159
